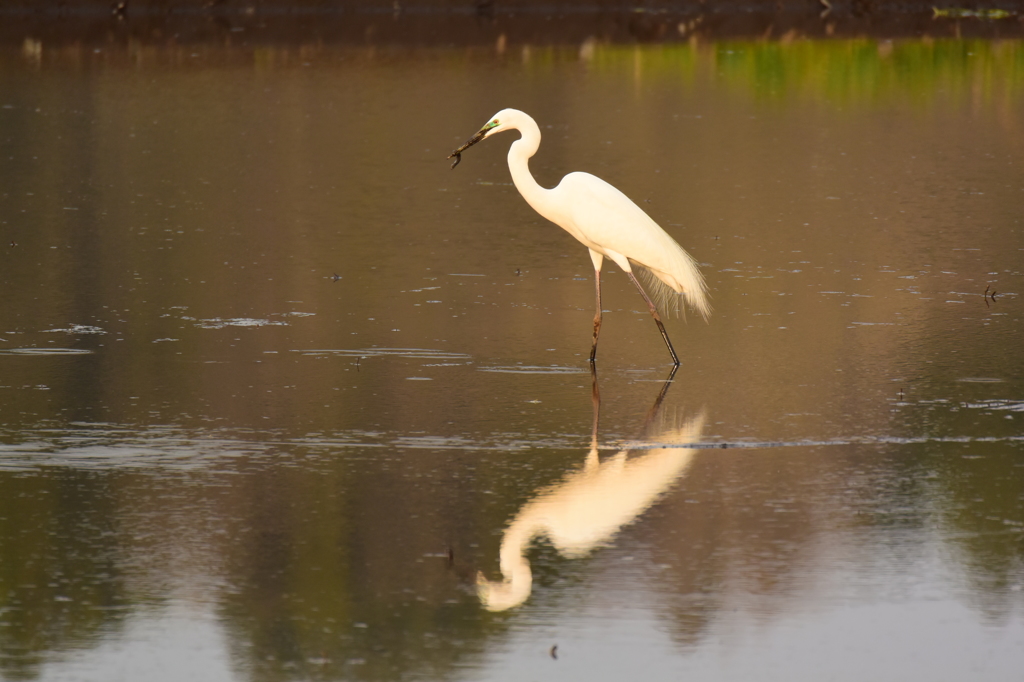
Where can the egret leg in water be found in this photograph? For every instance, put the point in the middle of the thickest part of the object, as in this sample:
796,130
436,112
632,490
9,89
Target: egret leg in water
590,505
604,220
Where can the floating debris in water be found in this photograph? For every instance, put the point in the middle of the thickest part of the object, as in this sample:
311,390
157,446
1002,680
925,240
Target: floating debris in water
46,351
77,329
220,323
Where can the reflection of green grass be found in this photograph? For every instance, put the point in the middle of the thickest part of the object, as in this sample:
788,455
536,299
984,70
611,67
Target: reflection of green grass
858,70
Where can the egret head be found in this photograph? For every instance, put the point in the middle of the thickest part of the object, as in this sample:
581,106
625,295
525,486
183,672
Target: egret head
504,595
503,120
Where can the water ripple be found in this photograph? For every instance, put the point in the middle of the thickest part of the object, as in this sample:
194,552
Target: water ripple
45,351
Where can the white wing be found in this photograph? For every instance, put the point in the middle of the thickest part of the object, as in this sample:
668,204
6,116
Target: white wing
604,219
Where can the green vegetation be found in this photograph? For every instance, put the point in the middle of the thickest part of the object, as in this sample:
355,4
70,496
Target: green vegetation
844,71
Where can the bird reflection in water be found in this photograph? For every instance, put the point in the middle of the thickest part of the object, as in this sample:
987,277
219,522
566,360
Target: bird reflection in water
589,506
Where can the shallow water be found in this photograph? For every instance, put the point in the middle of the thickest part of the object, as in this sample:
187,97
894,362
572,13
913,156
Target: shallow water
279,389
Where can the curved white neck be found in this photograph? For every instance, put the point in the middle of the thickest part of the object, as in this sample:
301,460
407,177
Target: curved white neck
519,155
517,582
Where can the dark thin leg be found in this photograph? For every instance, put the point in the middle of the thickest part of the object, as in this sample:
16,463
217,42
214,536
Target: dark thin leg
657,318
595,398
652,413
597,318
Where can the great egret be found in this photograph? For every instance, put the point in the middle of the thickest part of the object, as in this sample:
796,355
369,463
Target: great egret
589,506
604,220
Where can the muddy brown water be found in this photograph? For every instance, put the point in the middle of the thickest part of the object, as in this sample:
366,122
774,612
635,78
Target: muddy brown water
284,397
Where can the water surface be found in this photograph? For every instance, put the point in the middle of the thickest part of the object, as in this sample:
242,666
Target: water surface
279,390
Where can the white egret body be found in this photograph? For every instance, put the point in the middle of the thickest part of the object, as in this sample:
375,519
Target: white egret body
601,218
589,506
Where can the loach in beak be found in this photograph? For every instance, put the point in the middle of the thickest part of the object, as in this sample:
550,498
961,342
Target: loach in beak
457,154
